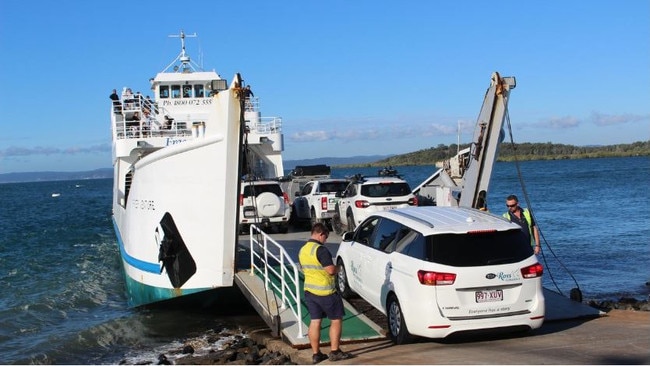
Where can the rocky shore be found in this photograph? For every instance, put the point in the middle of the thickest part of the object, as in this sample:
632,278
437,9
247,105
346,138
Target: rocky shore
257,347
624,303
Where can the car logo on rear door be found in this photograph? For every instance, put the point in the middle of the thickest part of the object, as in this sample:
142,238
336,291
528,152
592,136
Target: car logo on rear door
490,276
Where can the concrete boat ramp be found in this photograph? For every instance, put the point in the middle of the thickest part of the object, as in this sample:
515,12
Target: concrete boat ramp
269,279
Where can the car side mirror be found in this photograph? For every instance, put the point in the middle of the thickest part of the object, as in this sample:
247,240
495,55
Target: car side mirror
348,235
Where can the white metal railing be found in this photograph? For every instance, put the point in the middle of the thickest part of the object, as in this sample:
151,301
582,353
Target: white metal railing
288,285
266,125
125,126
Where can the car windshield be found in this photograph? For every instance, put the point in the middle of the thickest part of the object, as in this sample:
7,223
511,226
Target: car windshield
477,249
257,189
385,189
333,186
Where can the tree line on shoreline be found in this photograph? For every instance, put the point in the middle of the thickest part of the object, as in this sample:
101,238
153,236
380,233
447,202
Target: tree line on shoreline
512,152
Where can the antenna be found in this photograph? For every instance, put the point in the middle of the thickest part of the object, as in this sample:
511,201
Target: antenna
183,57
186,63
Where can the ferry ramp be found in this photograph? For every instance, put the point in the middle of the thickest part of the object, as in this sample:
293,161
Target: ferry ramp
273,284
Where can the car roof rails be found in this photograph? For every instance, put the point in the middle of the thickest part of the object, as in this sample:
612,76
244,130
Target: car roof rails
357,178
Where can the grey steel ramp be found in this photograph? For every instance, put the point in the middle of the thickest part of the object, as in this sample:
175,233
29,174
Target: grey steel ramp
559,307
356,326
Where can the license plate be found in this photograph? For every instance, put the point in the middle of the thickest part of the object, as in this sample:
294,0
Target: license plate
489,295
386,208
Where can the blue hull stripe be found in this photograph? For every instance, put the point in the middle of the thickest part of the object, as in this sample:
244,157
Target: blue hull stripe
132,261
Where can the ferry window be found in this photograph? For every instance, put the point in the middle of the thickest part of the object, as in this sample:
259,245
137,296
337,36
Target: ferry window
176,91
164,91
198,91
187,91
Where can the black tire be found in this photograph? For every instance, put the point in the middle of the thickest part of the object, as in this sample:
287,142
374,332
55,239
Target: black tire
312,216
350,222
293,219
342,285
336,222
397,330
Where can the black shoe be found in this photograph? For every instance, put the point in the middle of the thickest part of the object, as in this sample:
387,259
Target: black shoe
339,355
318,357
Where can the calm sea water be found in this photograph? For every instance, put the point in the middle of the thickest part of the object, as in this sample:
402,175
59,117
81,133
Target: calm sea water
63,302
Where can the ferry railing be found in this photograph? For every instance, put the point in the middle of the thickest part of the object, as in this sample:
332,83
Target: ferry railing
267,125
265,256
132,129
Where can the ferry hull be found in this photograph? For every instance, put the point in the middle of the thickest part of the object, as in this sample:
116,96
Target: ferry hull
175,211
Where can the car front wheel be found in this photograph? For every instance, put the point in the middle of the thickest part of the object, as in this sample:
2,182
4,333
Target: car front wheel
342,281
396,325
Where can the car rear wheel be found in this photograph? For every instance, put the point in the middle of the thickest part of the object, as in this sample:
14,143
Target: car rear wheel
396,325
313,218
336,221
350,222
342,281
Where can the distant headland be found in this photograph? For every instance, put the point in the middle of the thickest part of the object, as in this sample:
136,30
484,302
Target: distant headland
507,152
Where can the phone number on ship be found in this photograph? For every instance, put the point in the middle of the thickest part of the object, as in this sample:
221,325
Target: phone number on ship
144,204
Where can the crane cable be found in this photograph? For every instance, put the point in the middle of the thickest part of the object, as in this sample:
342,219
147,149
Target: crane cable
575,293
257,254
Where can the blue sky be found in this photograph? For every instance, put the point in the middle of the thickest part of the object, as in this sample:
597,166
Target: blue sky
347,77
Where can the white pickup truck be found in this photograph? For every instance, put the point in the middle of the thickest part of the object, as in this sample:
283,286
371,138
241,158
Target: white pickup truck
316,202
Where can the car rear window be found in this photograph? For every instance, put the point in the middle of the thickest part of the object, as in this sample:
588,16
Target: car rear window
257,189
466,250
477,249
333,186
385,189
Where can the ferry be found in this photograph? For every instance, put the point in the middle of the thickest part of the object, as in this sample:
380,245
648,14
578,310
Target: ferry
178,161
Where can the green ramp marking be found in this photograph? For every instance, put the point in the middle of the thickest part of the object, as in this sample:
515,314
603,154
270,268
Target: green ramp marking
353,326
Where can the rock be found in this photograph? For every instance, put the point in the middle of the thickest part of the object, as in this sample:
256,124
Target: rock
162,360
624,303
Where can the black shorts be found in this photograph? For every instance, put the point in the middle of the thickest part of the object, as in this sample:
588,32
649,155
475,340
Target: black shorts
322,306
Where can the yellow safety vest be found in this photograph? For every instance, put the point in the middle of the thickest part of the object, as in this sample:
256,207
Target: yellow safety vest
317,280
528,223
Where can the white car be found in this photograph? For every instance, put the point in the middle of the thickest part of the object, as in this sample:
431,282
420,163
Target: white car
316,202
434,271
367,195
264,204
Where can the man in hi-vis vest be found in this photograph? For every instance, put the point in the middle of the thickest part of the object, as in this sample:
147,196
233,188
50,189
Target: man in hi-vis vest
320,294
523,217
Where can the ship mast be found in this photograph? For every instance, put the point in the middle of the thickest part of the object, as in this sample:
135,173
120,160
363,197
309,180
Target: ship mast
186,64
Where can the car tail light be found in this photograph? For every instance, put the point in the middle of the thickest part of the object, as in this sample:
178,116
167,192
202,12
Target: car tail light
323,203
429,278
241,199
286,197
533,271
361,204
413,201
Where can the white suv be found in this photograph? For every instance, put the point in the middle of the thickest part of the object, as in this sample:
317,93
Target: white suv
264,204
434,271
367,195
